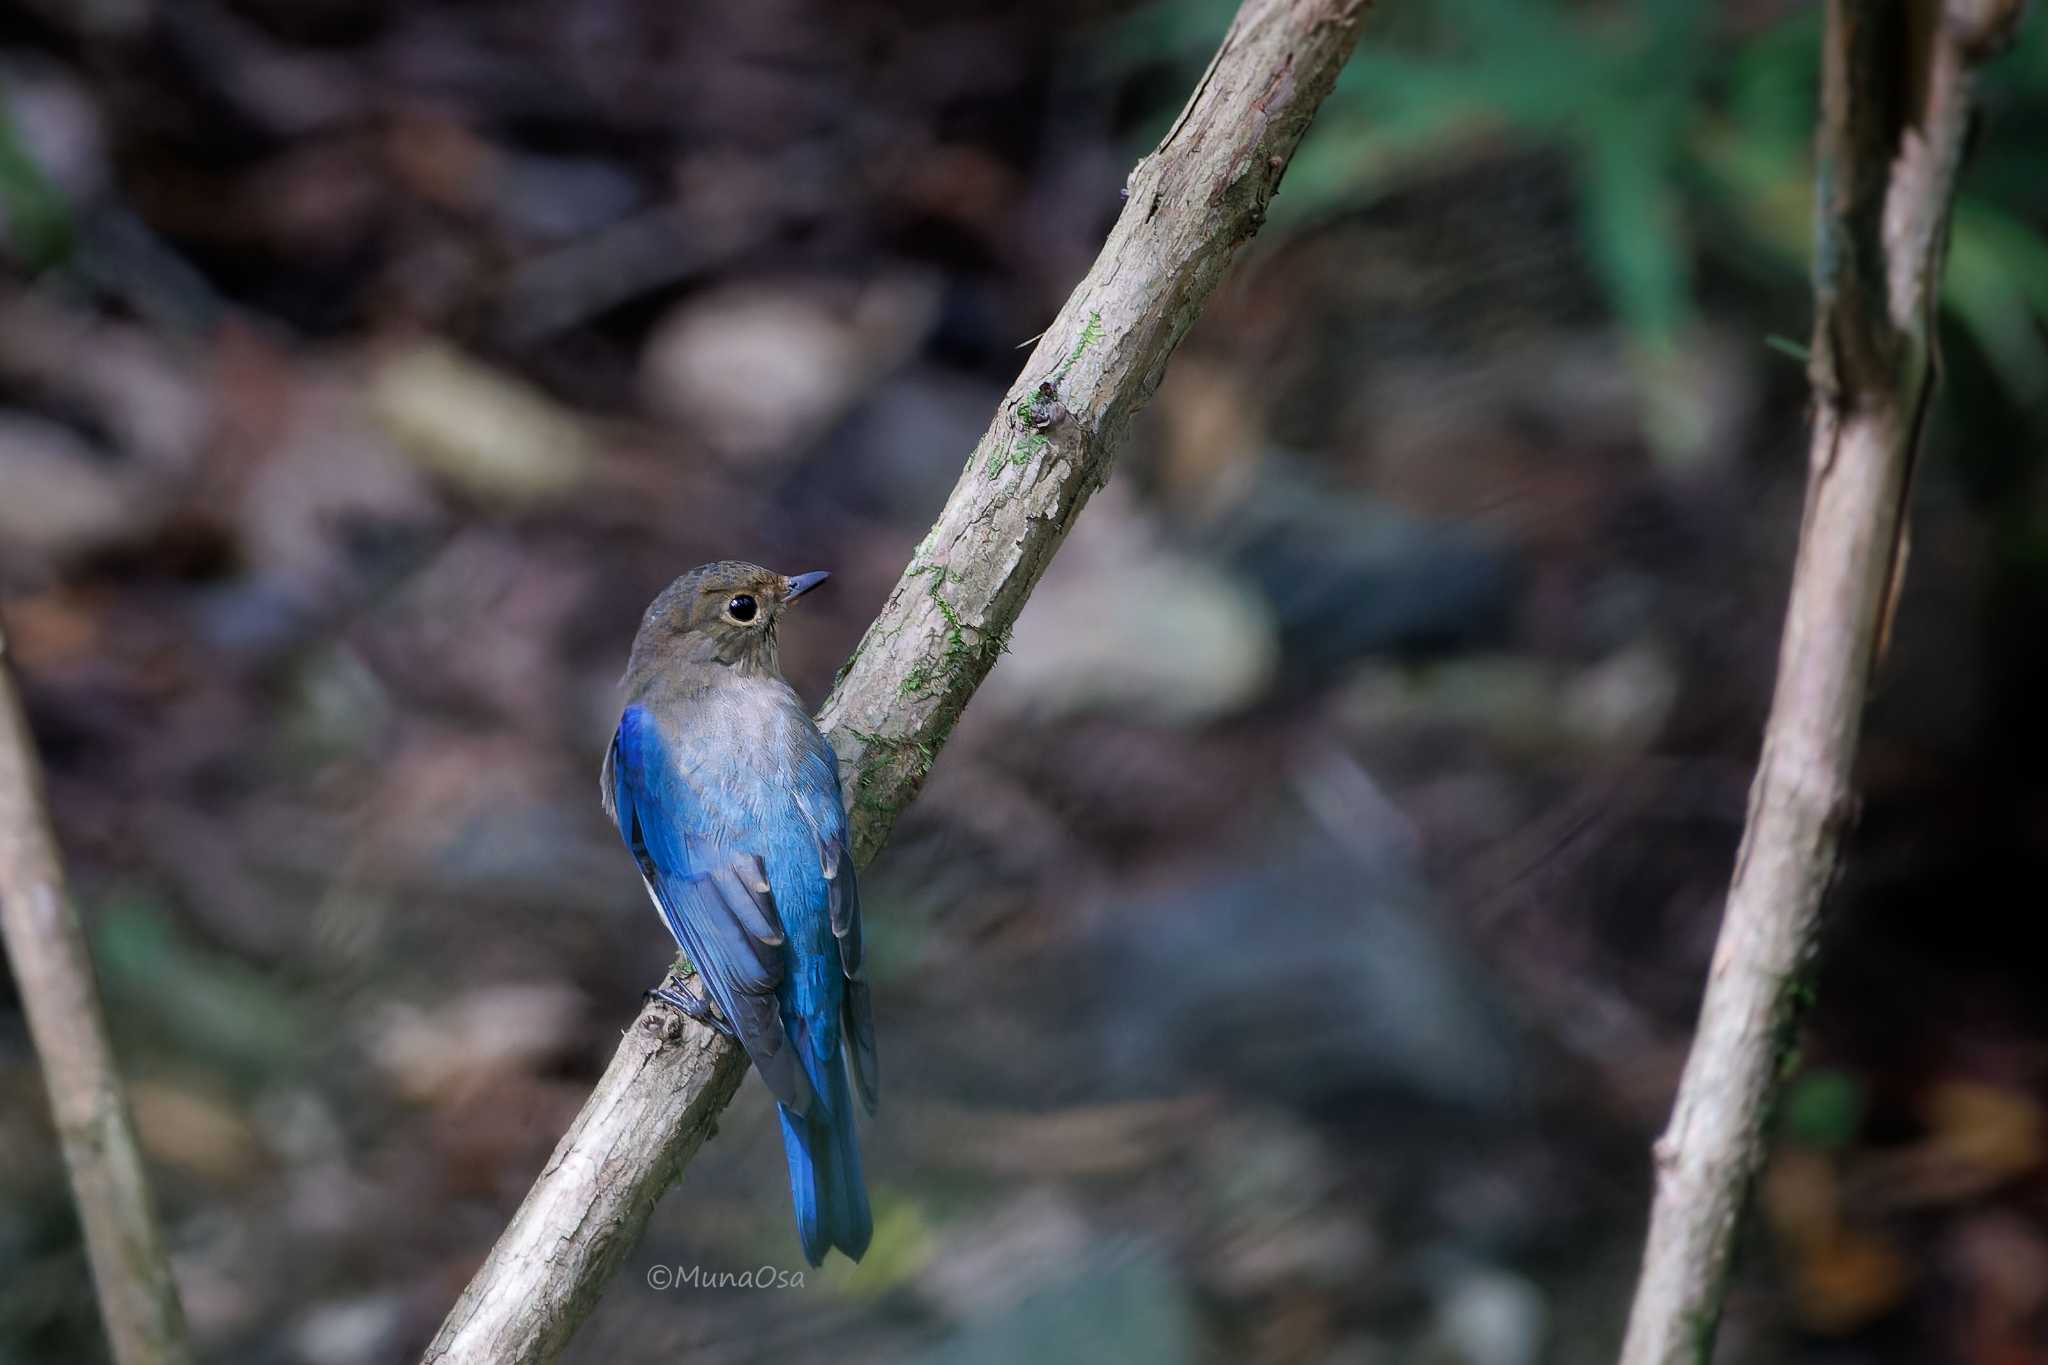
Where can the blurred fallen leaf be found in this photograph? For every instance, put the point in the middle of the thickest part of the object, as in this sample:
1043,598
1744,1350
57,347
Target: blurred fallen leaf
1801,1199
1849,1283
1982,1136
1103,1139
194,1132
488,434
1994,1132
51,631
1842,1277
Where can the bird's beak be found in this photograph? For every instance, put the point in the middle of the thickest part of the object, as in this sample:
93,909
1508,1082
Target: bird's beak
801,583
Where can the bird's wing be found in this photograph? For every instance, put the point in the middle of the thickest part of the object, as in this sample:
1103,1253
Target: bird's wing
715,899
818,797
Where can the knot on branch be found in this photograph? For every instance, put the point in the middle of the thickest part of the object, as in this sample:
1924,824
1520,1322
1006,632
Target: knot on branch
661,1024
1042,407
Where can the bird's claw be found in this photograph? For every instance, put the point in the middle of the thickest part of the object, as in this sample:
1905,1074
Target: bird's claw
692,1006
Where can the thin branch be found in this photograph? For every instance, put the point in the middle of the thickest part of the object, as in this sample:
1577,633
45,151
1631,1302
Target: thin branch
46,945
1896,88
1189,206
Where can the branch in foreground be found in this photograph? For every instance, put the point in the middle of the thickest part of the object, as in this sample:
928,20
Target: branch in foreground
1190,204
1887,171
45,942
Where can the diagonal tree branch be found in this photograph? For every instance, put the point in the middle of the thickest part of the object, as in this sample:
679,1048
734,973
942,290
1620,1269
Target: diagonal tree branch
1189,206
46,945
1896,88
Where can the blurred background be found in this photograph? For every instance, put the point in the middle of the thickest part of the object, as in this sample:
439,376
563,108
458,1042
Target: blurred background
1293,954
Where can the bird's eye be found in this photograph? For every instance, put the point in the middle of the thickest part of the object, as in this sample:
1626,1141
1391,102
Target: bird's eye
741,608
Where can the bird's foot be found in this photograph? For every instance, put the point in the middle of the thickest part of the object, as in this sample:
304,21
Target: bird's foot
692,1006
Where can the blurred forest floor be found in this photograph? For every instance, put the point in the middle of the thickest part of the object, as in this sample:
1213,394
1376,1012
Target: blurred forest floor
1292,956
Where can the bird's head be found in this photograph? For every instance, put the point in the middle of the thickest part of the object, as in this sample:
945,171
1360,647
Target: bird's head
721,613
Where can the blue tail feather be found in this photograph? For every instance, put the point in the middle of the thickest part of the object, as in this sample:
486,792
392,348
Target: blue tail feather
824,1171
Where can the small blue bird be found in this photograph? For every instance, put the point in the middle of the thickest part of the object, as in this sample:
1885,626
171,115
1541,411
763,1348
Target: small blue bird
728,798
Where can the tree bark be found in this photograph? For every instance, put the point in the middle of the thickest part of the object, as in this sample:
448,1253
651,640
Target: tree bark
53,972
1896,85
1188,207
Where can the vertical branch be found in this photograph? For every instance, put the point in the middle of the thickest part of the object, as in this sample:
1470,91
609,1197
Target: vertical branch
46,945
1896,84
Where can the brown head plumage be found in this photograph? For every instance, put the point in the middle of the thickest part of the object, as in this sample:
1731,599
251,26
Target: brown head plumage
722,613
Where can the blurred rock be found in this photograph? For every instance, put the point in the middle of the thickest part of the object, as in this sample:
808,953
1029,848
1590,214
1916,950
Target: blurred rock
1127,627
61,497
478,428
1314,977
760,370
554,198
350,1331
1158,640
1344,577
1487,1316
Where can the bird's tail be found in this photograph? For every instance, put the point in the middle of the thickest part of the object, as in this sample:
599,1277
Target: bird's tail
824,1169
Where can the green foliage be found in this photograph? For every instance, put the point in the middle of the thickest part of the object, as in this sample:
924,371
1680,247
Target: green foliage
1676,122
38,219
208,1005
1823,1109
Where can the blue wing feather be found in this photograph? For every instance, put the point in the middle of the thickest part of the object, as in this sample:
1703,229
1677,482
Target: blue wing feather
715,900
748,861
